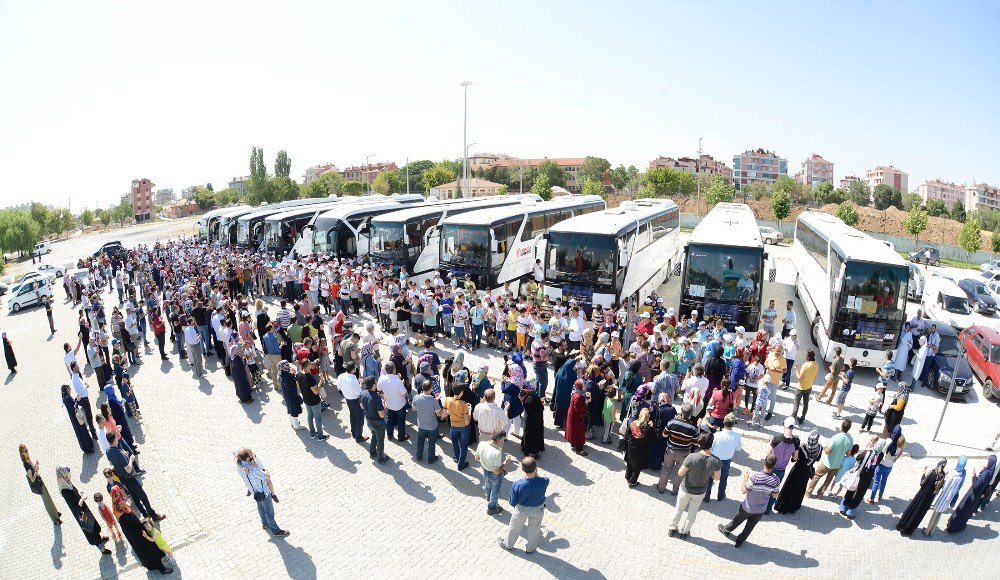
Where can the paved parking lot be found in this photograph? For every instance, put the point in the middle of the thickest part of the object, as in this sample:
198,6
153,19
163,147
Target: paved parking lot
351,518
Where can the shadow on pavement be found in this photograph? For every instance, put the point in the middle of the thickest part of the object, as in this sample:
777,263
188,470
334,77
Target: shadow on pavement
751,554
297,562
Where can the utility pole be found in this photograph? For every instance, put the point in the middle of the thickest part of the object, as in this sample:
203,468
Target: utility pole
697,174
465,124
407,175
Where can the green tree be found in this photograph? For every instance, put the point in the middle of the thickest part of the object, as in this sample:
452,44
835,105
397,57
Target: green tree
325,185
40,214
593,168
622,176
860,194
719,190
592,187
87,218
105,215
226,196
916,222
542,187
847,213
204,198
502,190
556,174
283,189
209,187
995,241
354,187
454,165
19,231
416,170
971,236
122,213
781,205
937,208
824,193
958,211
258,189
667,182
438,174
282,165
757,190
796,191
60,220
391,182
885,196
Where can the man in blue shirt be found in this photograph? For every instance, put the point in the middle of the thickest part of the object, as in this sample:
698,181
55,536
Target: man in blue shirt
272,353
527,498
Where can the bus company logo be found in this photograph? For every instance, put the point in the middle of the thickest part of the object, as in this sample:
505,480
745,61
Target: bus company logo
523,251
889,336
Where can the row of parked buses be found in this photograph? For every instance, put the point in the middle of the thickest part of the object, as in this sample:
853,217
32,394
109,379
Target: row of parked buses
852,287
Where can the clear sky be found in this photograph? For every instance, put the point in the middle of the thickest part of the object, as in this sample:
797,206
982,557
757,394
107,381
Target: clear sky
97,93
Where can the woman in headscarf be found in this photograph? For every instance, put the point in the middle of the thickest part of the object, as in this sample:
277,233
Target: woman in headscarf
240,373
563,391
8,353
970,501
992,487
866,465
759,346
915,511
919,359
659,415
78,421
146,550
290,393
533,441
595,400
639,436
947,494
894,412
576,418
715,371
482,381
627,386
587,343
36,484
893,451
794,490
601,347
80,510
516,368
117,411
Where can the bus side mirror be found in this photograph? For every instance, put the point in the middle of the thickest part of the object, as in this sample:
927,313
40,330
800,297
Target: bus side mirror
622,259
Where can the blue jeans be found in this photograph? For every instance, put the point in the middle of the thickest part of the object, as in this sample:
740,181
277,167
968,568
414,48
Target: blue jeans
396,420
206,339
429,435
376,446
849,511
722,481
770,501
491,485
460,443
786,377
314,418
542,374
265,508
477,335
881,477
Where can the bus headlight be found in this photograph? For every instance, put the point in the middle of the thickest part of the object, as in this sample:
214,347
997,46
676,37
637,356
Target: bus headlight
846,332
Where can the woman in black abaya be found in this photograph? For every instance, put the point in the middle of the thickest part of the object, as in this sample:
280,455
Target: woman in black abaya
794,490
918,506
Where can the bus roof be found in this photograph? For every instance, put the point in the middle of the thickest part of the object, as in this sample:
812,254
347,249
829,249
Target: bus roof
344,211
728,224
434,207
855,244
224,211
618,220
488,216
287,205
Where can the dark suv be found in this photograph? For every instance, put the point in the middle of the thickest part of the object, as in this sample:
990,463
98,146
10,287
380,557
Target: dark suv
979,297
940,368
110,249
926,255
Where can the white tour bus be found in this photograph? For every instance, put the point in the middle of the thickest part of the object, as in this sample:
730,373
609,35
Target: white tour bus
224,232
604,257
500,245
250,227
343,232
852,287
210,220
408,238
724,267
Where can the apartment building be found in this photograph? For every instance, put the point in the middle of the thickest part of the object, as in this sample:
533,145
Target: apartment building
982,196
946,191
889,176
704,165
815,170
757,165
571,165
846,182
313,173
142,200
368,172
239,184
477,188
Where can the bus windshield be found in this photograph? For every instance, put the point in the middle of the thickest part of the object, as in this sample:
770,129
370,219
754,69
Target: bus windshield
586,259
465,245
871,304
243,231
387,242
723,272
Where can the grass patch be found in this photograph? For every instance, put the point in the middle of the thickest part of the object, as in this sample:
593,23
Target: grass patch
946,262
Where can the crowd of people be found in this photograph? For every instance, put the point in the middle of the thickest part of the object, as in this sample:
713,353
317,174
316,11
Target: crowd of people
670,388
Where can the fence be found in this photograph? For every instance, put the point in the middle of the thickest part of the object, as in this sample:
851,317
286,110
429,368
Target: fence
903,244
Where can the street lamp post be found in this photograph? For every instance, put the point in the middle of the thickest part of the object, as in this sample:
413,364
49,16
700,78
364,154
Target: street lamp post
368,181
465,185
465,124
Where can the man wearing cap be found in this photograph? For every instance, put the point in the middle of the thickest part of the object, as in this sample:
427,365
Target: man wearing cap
659,311
791,345
724,446
646,308
645,326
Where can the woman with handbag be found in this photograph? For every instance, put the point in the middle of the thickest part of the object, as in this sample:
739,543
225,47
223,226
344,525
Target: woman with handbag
78,419
860,478
915,511
146,550
639,436
794,490
37,485
80,510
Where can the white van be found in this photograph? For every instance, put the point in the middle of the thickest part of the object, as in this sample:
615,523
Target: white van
29,294
943,300
42,248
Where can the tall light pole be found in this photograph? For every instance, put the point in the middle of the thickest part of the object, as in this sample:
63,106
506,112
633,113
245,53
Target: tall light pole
368,182
465,186
465,124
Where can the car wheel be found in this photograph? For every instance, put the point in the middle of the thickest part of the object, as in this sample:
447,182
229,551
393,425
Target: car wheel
16,307
936,263
769,241
988,391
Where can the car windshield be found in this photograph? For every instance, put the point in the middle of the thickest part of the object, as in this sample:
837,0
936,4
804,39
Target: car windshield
957,305
979,289
949,346
581,259
465,245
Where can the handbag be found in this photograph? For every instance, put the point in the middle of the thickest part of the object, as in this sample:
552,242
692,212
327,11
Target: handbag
852,479
623,428
81,417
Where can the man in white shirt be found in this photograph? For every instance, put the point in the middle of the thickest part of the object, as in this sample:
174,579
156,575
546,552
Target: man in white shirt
489,416
788,322
70,357
350,388
577,324
394,393
192,341
82,395
538,272
791,345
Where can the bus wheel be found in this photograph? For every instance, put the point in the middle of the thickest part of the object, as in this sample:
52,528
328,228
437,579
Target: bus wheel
814,332
796,286
988,390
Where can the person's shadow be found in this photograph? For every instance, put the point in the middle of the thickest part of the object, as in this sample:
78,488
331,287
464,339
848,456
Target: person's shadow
754,555
10,378
298,563
57,547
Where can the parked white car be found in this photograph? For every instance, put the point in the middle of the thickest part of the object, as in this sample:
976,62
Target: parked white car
58,271
770,235
42,248
943,300
29,294
36,275
991,266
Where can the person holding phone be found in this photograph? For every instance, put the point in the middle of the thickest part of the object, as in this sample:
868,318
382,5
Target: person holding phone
258,482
